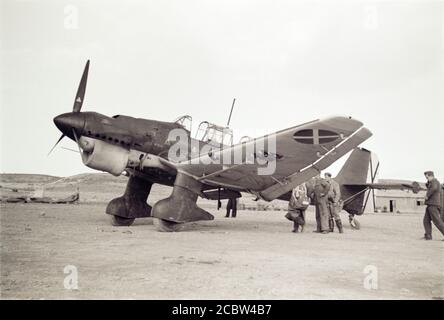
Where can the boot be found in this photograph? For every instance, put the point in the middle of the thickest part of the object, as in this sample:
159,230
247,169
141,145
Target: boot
331,225
295,227
339,225
426,237
318,227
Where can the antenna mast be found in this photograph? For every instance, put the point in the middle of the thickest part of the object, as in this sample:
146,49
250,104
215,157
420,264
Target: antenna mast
229,118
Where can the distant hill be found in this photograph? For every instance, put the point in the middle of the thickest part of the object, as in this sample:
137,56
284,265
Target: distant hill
103,187
95,178
93,187
26,178
42,178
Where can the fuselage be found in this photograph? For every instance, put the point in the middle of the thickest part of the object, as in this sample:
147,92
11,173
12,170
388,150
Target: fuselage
148,136
122,143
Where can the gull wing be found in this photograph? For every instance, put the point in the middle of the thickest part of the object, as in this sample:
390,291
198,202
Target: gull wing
274,164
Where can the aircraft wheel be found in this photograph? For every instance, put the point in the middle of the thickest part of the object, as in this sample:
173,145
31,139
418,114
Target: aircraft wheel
167,226
118,221
354,223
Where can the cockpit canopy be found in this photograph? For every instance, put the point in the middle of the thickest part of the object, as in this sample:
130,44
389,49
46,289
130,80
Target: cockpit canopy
212,133
208,132
185,121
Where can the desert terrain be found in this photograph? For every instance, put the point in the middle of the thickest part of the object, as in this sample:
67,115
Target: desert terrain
254,256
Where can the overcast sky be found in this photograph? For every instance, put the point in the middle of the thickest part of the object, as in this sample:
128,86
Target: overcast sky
286,62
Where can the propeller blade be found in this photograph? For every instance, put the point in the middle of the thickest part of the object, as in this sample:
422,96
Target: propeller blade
60,139
69,149
78,102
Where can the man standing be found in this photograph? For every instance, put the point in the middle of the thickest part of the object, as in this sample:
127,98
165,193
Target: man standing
319,194
231,206
296,207
334,206
434,206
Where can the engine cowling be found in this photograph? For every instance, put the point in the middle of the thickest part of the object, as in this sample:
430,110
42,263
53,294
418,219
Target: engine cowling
104,156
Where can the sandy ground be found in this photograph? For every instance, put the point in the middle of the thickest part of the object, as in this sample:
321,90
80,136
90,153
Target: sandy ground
254,256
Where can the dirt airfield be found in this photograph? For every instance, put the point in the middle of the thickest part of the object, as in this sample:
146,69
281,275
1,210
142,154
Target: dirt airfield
254,256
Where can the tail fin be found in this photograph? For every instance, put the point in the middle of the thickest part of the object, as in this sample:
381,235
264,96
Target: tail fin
360,169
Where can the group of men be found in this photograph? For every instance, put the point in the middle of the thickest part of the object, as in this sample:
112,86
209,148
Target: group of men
325,193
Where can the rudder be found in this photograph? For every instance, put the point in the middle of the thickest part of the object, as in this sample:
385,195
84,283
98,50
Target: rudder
360,168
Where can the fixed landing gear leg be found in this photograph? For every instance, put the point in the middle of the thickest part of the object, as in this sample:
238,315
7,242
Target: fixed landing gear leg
180,207
132,204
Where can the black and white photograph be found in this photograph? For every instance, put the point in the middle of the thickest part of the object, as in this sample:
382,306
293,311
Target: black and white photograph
239,151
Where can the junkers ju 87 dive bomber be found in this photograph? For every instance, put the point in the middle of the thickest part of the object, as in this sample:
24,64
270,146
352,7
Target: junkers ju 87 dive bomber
148,152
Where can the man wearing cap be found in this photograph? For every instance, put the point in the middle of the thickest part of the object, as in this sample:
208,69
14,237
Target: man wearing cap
434,206
334,206
319,194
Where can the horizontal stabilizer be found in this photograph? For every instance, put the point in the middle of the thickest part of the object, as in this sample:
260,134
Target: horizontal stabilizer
414,186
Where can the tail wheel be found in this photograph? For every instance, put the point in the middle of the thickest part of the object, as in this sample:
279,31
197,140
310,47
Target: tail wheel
354,223
119,221
167,226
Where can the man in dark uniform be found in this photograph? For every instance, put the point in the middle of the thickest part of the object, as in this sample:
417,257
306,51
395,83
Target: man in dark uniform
231,206
319,195
334,205
434,206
